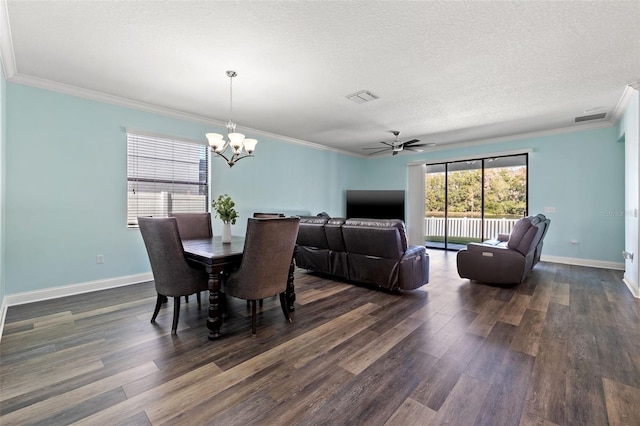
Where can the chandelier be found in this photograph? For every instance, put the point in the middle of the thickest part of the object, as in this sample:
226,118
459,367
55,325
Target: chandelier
236,141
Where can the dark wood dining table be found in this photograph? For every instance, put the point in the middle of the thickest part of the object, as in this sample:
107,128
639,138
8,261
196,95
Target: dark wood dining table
220,259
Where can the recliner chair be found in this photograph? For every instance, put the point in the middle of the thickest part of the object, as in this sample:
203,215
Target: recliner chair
505,260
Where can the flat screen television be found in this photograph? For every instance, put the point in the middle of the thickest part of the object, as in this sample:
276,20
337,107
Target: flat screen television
375,204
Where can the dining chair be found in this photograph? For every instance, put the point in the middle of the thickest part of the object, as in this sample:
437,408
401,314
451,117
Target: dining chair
172,274
264,216
264,269
193,226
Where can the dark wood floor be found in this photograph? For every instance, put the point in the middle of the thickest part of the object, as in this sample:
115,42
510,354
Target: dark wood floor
561,348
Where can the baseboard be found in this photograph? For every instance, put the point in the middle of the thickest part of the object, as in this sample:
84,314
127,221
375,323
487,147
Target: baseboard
632,286
619,266
3,315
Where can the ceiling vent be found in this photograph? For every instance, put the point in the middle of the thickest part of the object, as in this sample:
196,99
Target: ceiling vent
591,117
362,97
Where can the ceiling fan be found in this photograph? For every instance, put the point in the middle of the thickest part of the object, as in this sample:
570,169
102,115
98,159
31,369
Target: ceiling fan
397,146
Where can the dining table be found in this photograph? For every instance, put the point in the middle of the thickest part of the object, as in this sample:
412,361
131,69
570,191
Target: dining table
219,260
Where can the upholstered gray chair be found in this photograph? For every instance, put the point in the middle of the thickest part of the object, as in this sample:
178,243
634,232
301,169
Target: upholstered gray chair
194,225
264,216
263,272
173,275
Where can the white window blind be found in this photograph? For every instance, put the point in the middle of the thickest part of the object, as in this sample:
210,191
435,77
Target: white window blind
165,176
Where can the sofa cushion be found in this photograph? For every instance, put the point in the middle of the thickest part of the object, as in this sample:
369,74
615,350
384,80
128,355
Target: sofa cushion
311,232
383,223
517,233
333,231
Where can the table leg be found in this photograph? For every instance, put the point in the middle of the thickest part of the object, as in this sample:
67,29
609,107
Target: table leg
214,322
290,293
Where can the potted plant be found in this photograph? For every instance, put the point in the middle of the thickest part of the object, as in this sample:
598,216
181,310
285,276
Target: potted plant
224,208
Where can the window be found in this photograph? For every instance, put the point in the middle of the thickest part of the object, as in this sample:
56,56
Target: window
165,176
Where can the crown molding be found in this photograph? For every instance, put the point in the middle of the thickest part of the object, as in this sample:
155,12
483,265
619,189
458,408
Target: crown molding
156,109
623,102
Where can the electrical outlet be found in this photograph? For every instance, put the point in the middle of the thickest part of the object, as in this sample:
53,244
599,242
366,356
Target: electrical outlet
100,259
574,242
549,209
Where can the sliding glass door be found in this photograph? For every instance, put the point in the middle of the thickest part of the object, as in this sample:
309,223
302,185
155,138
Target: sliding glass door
473,200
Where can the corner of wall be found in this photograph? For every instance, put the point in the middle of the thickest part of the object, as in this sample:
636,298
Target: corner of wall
3,134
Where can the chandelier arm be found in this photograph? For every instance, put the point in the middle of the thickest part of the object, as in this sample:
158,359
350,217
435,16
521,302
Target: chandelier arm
219,154
244,156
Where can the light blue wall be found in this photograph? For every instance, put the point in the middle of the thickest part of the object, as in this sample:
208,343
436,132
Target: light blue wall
581,174
288,178
66,186
3,127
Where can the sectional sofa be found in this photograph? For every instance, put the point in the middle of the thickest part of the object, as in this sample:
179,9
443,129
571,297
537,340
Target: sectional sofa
369,251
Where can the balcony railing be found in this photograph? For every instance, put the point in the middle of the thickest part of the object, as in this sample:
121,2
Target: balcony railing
468,227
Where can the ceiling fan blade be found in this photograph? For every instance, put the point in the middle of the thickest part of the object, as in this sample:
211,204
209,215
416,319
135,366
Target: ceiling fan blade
376,147
415,146
378,151
410,142
388,144
411,148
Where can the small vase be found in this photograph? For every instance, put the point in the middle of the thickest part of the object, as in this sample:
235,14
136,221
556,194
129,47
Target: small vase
226,233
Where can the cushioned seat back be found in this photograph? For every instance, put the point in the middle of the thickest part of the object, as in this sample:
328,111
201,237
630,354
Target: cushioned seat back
526,234
338,260
194,225
172,274
333,232
268,249
311,232
385,238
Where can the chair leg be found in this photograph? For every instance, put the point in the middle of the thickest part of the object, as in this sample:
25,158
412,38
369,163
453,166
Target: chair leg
285,306
198,297
159,301
249,304
176,314
186,299
253,318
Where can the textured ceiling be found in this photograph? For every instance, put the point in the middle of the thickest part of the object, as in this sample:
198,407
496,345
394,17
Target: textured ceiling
444,71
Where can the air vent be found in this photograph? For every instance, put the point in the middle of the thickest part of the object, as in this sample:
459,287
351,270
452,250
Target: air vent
591,117
362,97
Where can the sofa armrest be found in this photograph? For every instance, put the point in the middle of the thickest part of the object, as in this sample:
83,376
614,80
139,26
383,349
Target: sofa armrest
503,237
414,268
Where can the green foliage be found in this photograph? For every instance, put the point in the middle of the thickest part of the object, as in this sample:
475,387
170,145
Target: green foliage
504,188
224,208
